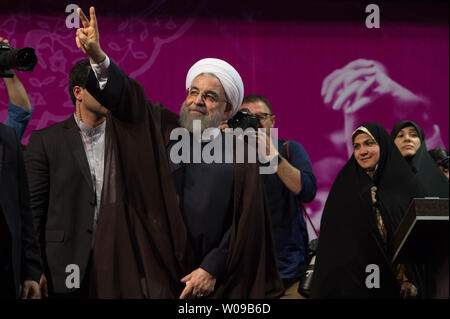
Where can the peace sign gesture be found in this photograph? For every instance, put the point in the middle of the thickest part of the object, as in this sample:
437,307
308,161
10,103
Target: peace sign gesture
87,38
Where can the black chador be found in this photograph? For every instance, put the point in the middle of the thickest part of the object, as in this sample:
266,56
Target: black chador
350,243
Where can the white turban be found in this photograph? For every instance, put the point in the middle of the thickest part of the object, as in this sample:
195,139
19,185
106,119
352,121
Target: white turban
228,76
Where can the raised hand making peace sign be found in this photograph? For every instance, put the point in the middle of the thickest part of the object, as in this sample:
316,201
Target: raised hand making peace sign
88,39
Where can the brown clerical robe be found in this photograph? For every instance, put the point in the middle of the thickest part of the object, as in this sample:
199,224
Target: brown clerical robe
141,242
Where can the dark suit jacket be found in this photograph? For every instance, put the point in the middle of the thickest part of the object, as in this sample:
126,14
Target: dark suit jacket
15,204
62,199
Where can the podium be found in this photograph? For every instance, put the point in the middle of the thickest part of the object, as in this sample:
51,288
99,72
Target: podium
422,238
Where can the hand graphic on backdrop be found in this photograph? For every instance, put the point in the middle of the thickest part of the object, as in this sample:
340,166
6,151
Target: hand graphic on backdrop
360,83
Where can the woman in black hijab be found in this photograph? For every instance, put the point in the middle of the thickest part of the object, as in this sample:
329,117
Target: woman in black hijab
364,207
410,140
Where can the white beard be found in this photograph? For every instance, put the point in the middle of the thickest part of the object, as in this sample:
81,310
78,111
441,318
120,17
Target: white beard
209,119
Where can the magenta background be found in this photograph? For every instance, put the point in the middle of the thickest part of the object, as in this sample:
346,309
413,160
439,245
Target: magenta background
283,58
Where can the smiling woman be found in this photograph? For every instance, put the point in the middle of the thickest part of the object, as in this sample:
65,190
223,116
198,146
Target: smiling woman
363,209
366,150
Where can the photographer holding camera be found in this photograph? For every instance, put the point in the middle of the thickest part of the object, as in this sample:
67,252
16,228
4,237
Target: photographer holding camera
20,267
19,106
293,184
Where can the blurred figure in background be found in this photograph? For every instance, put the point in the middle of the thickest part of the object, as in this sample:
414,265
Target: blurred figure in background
410,140
440,155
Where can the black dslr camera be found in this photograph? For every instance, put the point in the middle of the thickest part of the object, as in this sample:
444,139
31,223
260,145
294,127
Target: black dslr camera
244,119
20,59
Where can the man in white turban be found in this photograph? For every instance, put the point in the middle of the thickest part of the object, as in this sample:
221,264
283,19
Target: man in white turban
215,92
168,229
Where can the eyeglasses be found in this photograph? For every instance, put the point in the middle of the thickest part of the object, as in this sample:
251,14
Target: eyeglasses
262,116
209,97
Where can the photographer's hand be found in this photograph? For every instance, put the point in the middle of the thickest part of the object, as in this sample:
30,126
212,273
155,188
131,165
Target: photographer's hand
266,148
88,38
289,175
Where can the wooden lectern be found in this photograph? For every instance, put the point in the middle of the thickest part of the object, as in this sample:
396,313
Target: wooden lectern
422,237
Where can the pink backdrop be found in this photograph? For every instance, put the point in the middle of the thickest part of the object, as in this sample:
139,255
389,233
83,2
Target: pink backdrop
284,53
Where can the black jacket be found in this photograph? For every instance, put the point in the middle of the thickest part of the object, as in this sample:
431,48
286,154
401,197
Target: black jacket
15,205
62,199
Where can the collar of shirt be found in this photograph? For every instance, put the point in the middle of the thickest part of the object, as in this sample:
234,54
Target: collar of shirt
90,131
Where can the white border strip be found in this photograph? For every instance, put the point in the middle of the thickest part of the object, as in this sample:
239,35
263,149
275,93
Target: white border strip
432,218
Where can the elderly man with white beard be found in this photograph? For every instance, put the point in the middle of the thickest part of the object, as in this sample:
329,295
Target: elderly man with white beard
170,229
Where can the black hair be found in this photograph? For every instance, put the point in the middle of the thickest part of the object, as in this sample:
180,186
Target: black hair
253,98
78,76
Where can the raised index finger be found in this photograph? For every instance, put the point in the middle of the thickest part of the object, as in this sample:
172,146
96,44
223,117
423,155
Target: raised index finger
93,21
83,18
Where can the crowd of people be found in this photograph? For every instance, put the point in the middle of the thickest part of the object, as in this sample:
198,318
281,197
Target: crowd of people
102,191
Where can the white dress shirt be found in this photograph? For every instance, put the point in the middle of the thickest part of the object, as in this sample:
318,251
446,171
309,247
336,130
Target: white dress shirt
94,146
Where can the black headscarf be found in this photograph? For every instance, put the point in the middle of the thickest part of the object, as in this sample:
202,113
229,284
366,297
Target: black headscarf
349,237
422,164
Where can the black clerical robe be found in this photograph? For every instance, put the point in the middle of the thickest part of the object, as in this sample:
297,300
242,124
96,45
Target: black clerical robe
205,193
142,246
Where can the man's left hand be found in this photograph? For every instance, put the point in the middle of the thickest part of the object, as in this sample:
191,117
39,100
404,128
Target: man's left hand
199,283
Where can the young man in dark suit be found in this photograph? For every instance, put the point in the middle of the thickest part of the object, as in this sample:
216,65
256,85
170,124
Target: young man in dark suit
64,163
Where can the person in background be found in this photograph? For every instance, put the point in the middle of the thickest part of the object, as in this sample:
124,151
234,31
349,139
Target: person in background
19,106
293,184
440,155
20,267
410,140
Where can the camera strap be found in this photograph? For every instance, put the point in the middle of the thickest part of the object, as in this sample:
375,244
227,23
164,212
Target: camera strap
284,151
